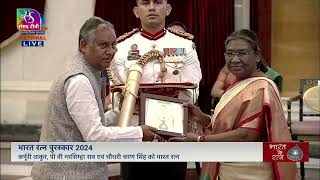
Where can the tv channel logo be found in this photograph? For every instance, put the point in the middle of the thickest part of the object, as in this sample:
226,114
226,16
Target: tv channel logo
30,23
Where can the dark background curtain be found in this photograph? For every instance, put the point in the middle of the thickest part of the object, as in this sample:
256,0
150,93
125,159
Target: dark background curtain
260,22
210,21
8,15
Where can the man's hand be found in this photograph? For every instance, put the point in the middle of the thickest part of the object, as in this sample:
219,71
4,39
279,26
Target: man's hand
148,133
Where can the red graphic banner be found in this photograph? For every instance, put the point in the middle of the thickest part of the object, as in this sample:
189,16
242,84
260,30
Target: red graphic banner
286,152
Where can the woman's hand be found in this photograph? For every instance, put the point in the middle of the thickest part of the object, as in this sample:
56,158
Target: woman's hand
189,137
196,115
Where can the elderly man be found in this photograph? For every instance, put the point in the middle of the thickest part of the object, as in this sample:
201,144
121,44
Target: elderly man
75,110
181,65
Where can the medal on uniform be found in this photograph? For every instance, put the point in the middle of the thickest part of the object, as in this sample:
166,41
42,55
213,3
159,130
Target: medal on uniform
174,55
174,51
133,53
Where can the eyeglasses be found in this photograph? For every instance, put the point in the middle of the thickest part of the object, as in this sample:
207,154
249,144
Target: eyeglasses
241,54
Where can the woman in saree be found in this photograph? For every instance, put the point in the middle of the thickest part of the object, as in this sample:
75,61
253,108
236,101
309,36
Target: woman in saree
249,110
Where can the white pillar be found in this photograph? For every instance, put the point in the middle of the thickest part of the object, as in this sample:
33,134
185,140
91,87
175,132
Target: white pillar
27,72
241,14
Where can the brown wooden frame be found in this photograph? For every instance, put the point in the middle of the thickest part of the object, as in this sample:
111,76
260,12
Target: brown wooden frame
143,98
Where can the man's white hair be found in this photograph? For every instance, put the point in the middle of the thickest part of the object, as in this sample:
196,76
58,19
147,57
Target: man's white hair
87,31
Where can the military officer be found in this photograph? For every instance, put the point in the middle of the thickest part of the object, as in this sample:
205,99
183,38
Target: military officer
180,65
181,60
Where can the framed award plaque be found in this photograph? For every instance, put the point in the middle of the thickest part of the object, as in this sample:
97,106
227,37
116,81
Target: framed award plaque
167,114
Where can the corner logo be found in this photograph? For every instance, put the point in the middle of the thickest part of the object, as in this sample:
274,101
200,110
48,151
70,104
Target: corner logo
30,23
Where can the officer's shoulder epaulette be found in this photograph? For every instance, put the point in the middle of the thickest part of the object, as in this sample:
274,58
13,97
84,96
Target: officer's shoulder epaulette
127,35
181,34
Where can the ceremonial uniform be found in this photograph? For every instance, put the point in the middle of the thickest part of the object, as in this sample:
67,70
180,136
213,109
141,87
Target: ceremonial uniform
181,66
181,60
